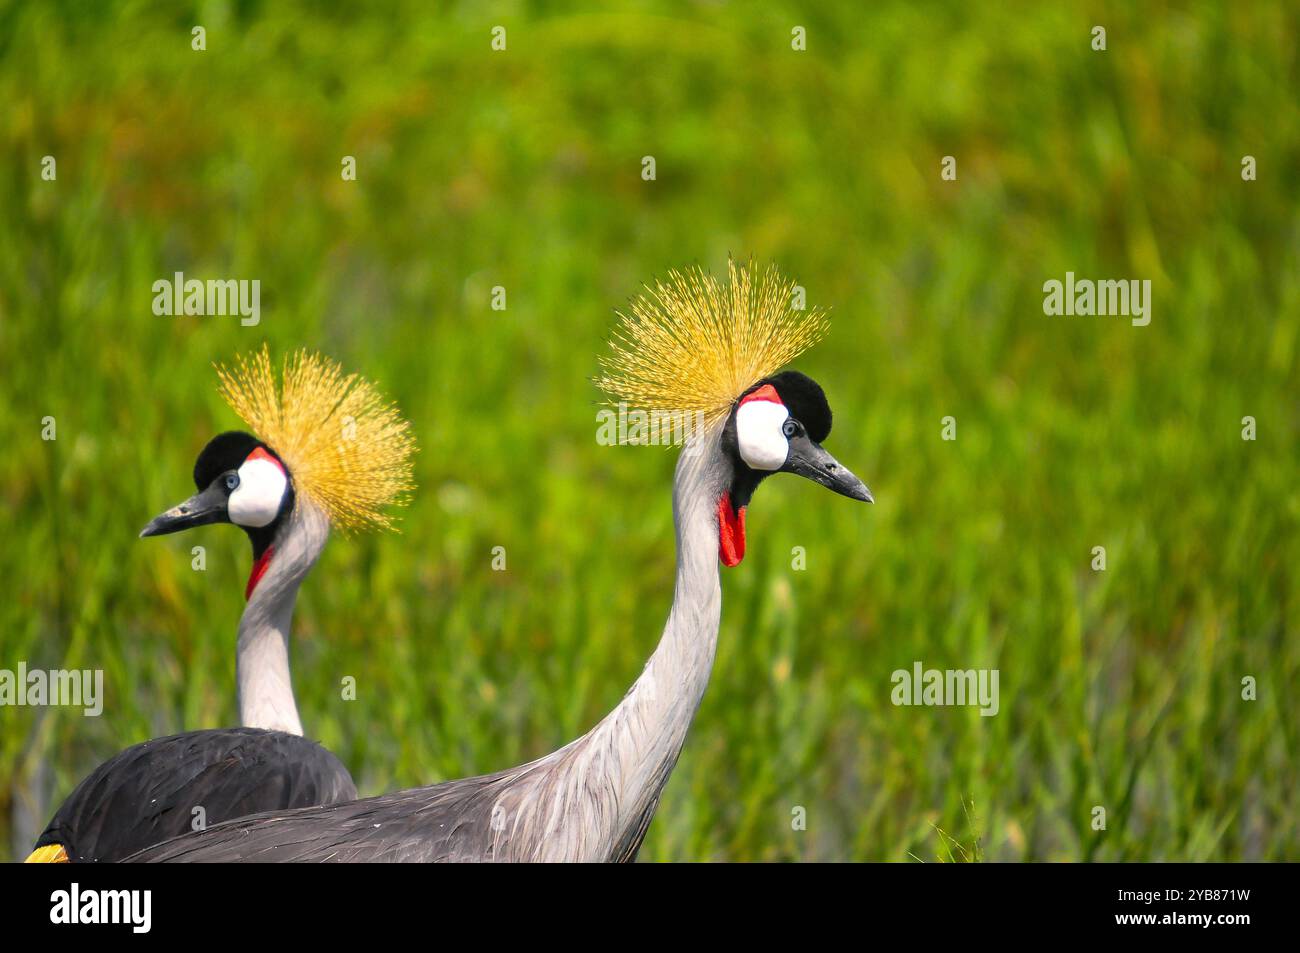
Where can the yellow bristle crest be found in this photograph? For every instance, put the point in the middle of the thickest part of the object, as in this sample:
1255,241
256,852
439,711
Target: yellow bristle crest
347,448
695,344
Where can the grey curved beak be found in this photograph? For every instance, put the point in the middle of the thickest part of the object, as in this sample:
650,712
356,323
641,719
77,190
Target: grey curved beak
810,460
199,510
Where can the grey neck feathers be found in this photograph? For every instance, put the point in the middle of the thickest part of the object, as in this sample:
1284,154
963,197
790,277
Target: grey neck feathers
262,657
592,799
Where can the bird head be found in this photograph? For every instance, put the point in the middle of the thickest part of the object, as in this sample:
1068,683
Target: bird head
239,480
696,345
777,426
321,436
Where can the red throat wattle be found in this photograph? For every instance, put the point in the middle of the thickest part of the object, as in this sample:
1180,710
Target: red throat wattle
259,570
731,532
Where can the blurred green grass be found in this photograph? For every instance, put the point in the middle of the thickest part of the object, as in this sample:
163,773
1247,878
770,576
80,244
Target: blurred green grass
522,169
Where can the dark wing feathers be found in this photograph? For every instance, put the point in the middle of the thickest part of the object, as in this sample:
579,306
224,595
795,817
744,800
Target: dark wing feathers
148,793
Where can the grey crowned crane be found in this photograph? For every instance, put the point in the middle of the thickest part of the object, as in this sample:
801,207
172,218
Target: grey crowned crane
330,452
692,344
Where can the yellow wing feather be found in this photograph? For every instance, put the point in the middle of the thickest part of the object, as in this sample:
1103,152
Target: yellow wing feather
49,854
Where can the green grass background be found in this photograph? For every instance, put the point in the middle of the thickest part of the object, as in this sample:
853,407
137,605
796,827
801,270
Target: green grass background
522,169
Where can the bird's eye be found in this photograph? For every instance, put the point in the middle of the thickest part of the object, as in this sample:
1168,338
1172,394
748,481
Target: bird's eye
232,480
790,428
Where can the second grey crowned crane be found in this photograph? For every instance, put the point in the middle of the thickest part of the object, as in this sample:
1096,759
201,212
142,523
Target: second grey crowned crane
694,345
333,453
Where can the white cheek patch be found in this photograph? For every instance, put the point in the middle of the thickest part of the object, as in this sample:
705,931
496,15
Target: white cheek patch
758,433
256,501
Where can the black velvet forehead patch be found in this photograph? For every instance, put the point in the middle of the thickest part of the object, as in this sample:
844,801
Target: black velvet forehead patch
226,451
805,400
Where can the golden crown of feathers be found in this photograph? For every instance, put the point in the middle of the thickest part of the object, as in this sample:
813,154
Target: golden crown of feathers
346,447
694,344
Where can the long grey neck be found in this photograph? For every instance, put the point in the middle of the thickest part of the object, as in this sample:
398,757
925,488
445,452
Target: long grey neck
609,780
262,657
